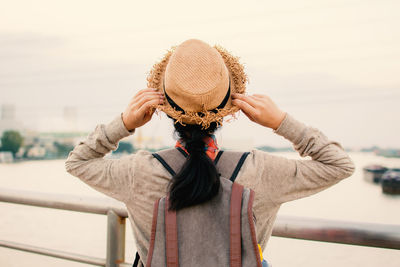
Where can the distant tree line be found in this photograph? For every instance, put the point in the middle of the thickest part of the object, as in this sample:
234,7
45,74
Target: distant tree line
124,147
275,149
11,141
62,150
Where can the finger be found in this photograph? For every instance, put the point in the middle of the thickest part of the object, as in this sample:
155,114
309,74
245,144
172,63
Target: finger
146,90
251,101
259,95
151,111
151,93
148,97
149,114
257,99
248,115
246,107
144,108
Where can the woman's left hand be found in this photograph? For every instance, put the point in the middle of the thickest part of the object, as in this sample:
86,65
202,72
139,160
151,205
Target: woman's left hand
141,108
260,108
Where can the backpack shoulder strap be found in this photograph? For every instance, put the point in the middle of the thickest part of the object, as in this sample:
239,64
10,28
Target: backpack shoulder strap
229,159
171,158
235,248
171,236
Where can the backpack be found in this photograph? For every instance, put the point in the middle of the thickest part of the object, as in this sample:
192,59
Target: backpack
219,232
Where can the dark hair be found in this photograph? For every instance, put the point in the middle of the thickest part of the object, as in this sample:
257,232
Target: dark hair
198,180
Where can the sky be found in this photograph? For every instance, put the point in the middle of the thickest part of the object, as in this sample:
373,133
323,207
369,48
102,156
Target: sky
333,65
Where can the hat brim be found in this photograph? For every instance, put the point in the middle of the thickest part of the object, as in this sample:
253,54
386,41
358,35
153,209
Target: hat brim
238,85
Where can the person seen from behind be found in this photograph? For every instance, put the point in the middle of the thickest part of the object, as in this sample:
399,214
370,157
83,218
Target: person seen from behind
197,86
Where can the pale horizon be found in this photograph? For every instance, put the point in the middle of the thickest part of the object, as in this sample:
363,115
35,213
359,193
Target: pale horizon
332,65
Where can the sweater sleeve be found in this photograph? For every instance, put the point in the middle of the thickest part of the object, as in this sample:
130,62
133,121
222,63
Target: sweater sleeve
86,161
289,179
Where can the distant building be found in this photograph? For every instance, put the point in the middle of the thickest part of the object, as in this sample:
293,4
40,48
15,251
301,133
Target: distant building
8,119
36,151
7,112
6,157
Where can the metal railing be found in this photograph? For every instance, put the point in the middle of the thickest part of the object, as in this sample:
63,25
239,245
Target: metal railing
363,234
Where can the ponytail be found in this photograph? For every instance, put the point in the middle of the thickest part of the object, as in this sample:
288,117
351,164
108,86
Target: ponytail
198,180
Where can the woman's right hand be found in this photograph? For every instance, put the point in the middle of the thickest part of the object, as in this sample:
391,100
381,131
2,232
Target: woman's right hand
141,108
260,109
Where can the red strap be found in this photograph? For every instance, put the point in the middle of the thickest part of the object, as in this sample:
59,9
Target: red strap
252,227
153,233
235,230
171,236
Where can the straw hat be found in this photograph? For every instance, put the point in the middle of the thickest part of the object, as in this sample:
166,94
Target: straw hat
197,81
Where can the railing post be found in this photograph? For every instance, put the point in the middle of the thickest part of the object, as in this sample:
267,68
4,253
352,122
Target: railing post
115,239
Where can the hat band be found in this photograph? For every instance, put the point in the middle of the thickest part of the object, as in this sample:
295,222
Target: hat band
220,106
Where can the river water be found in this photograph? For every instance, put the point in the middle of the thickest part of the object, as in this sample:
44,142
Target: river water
353,199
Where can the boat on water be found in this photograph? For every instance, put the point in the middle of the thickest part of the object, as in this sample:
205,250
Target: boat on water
373,172
390,181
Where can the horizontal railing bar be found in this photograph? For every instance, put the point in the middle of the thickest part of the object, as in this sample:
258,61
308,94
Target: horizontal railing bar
354,233
54,253
97,205
344,232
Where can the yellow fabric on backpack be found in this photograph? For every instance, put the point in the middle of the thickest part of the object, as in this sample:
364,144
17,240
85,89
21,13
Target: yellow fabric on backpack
261,255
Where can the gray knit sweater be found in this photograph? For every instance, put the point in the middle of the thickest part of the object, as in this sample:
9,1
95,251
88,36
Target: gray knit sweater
139,179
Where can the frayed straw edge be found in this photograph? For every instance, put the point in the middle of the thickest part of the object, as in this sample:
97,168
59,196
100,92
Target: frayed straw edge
195,117
236,69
